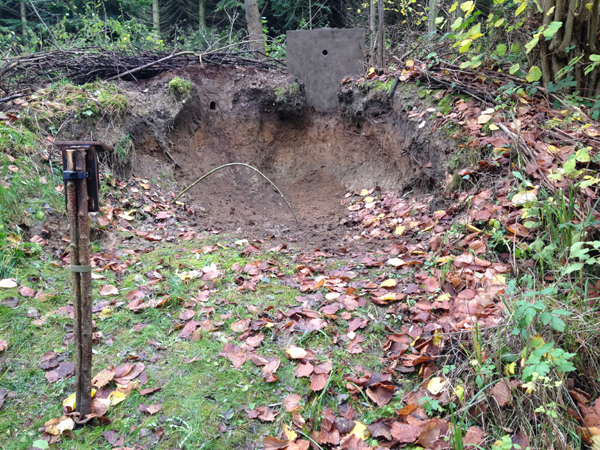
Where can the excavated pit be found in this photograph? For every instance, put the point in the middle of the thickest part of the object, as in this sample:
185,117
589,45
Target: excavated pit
261,119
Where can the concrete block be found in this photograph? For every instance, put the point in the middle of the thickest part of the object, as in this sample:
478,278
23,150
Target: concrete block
322,58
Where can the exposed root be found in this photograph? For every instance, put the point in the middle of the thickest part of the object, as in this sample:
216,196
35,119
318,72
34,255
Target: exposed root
238,164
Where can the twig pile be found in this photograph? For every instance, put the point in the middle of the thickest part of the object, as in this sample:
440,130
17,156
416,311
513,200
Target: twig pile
82,65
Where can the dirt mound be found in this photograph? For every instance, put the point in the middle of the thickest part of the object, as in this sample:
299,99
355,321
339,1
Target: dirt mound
261,119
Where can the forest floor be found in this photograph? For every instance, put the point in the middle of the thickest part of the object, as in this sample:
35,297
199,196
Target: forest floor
391,326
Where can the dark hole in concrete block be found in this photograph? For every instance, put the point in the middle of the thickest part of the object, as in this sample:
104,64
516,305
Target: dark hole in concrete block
325,52
213,106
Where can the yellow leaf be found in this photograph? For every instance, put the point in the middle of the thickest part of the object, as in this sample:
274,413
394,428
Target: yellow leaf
56,427
399,230
369,199
484,118
437,337
296,352
106,313
69,402
529,386
445,259
520,198
389,283
396,262
521,8
436,385
466,6
510,369
473,229
443,298
128,215
537,341
116,397
494,127
290,434
371,71
410,63
459,391
387,297
360,430
364,192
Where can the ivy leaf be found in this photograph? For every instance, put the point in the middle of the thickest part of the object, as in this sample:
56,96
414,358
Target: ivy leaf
552,29
534,74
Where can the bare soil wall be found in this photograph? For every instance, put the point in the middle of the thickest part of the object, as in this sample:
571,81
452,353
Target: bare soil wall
261,119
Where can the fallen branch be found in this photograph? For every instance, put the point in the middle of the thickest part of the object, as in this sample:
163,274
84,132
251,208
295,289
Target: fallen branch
137,69
11,97
83,65
237,164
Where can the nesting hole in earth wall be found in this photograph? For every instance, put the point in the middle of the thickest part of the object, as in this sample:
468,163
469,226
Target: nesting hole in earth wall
314,158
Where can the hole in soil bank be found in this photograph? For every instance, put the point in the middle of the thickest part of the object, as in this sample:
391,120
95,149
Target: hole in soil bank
213,106
314,158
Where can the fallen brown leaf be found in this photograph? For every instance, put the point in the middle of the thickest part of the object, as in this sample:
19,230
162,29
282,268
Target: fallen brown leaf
262,413
291,403
150,409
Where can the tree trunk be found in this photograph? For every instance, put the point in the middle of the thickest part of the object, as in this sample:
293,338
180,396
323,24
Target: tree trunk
23,19
155,16
433,14
201,15
380,37
372,31
255,32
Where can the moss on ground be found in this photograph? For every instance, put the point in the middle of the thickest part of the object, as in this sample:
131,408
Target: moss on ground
180,89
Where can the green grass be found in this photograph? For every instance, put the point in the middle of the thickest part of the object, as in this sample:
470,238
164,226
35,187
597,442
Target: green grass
196,398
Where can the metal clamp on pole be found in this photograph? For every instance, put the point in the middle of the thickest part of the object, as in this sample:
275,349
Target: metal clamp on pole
67,175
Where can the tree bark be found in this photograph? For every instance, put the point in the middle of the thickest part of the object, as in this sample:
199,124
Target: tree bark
201,15
572,6
594,27
155,16
23,19
372,37
544,50
255,32
380,36
433,14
